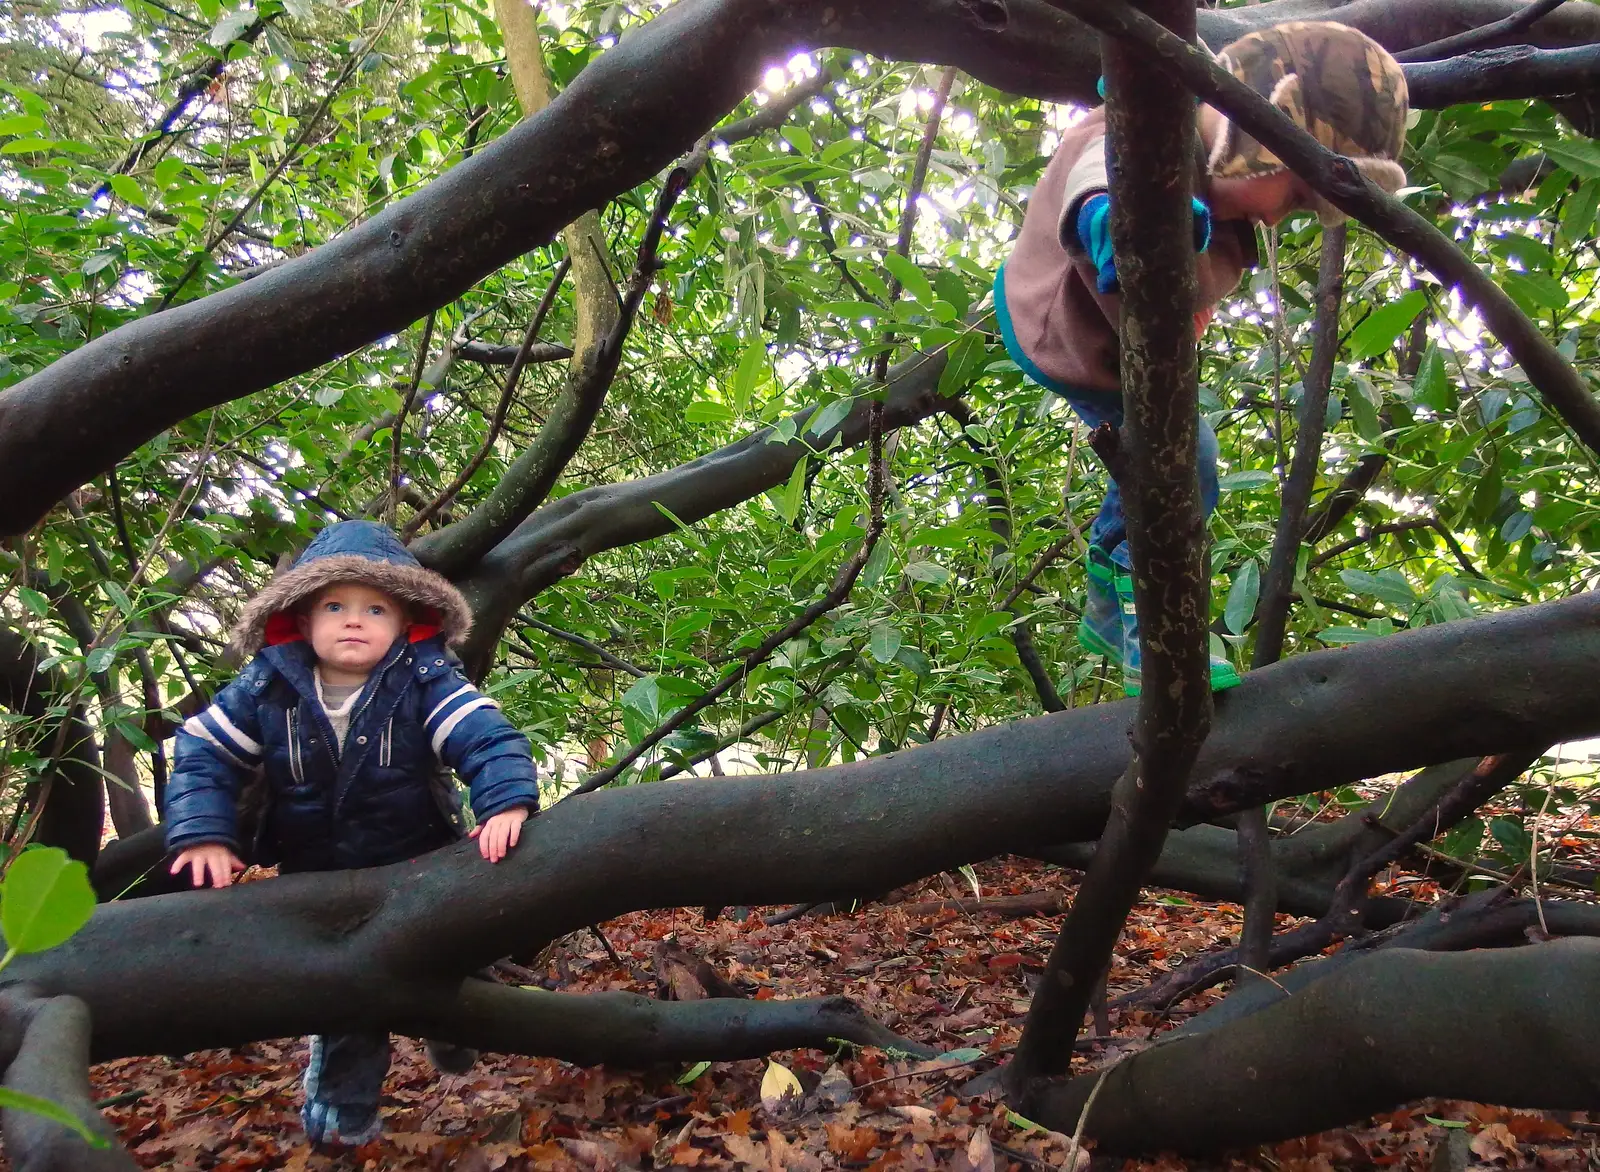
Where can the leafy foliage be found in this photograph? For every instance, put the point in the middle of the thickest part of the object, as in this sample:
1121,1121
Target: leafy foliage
775,298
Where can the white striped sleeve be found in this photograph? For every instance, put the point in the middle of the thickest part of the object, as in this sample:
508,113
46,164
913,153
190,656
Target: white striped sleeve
214,727
450,712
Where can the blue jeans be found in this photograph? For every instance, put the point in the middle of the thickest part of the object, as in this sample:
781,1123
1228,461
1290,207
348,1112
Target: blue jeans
1110,528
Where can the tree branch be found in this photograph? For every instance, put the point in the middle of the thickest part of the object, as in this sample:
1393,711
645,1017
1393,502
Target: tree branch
1482,35
346,952
497,421
397,429
1151,141
633,1032
1392,1028
50,1040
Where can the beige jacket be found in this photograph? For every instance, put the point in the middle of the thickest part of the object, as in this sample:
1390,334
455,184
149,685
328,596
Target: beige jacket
1052,319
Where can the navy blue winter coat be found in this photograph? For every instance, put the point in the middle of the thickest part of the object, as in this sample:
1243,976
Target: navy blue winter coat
381,797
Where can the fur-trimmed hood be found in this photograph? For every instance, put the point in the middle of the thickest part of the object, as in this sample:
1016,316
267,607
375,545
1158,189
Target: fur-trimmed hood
353,551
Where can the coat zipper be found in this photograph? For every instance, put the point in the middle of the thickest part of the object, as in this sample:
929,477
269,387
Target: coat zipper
375,687
295,767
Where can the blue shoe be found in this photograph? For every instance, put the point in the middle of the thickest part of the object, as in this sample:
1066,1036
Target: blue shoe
328,1126
343,1081
1100,632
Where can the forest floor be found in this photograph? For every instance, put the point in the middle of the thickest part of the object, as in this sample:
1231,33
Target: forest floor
954,979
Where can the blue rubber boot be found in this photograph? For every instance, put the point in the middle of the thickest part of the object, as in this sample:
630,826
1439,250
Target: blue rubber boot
343,1081
1100,632
1223,673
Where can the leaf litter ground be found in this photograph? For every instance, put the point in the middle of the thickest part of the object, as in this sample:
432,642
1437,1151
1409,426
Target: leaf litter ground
950,978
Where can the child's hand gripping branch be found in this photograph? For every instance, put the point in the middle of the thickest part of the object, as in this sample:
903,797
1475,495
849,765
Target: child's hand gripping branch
499,834
212,862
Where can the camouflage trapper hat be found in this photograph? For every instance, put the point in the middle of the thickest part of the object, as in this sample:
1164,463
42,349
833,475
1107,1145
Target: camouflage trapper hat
1334,81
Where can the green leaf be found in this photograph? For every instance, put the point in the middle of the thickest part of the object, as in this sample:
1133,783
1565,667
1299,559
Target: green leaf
45,898
829,417
692,1073
1251,478
128,190
705,411
794,493
910,277
100,659
21,124
1432,387
751,374
925,571
19,1101
1513,836
1578,155
229,25
877,562
883,641
1242,597
963,362
1379,331
34,601
1387,586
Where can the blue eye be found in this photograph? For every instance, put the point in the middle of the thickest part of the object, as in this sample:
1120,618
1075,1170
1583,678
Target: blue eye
376,609
335,607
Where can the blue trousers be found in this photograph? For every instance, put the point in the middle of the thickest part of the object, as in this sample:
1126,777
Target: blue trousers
1110,528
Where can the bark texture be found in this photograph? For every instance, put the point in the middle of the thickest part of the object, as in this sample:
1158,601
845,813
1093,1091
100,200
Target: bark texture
1517,1028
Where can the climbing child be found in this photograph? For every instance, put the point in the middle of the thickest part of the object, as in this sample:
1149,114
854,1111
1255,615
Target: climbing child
348,712
1056,295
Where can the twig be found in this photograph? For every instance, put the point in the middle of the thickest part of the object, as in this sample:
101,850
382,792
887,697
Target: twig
877,477
497,421
290,152
837,593
588,645
606,944
396,434
1083,1118
908,216
1482,35
1364,537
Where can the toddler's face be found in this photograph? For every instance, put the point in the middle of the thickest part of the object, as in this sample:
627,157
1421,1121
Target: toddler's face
351,627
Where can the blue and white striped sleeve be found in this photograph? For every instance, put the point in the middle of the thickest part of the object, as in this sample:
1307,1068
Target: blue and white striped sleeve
216,748
469,733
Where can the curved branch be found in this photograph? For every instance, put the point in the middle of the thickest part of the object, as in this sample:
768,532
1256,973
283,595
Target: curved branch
559,537
623,118
320,951
629,1031
1391,1028
52,1062
72,793
1482,35
491,355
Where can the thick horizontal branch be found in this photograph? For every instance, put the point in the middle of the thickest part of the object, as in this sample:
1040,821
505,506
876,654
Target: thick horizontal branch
1519,1028
307,952
630,1031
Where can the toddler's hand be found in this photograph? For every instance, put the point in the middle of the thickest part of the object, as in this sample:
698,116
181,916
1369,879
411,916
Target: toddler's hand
210,858
499,834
